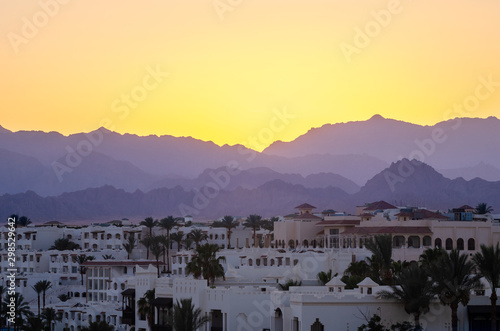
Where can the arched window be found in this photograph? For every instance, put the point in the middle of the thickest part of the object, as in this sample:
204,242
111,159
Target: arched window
291,243
438,243
427,241
471,244
305,243
460,244
414,241
250,262
398,241
449,244
317,326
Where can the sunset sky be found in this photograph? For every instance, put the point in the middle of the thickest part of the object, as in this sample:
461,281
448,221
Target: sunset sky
226,66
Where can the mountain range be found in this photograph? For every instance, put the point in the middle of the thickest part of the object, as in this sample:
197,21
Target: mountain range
403,183
344,159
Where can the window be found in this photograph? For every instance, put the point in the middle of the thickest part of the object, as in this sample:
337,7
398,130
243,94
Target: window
334,231
427,241
460,244
438,243
471,244
449,244
74,270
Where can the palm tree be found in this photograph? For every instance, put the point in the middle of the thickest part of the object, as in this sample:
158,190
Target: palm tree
483,209
64,244
453,276
81,259
45,285
145,306
157,251
414,291
150,223
229,223
430,257
488,263
23,221
38,289
146,242
187,317
49,315
34,324
254,222
206,264
325,277
177,237
188,242
130,244
381,248
63,297
164,241
23,311
198,236
286,286
2,317
168,223
99,326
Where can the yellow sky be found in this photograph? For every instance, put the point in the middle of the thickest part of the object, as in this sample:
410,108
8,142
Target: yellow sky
224,67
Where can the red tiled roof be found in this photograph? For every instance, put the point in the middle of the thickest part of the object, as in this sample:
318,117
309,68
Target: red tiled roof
340,222
379,205
305,206
466,207
306,217
388,230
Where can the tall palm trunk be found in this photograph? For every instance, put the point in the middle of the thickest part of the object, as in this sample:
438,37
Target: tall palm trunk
254,237
493,299
164,257
168,251
454,316
228,238
417,321
39,305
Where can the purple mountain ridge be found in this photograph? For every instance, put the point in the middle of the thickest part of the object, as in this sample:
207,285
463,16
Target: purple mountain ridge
456,143
403,183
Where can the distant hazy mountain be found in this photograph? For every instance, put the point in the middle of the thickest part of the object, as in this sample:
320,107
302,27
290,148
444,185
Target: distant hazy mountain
481,170
20,173
404,183
107,203
128,161
51,163
451,144
255,177
417,184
